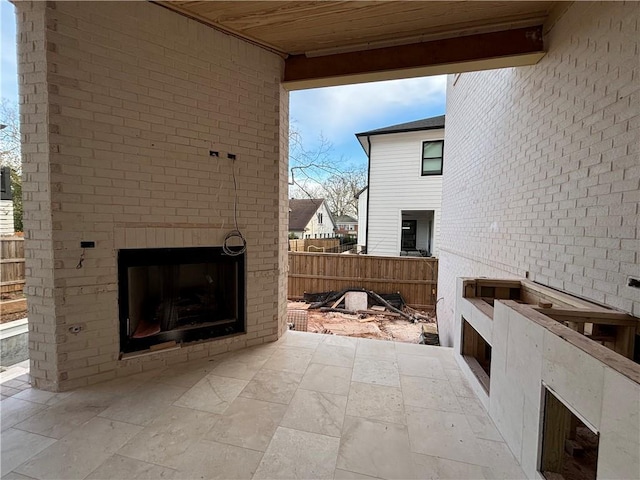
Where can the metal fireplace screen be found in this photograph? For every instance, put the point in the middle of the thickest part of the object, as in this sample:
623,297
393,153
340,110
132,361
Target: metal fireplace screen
179,294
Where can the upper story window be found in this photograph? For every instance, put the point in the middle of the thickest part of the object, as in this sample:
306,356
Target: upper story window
432,157
320,218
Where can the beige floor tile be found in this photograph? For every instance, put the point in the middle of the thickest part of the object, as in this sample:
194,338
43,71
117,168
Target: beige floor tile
442,434
300,339
429,393
212,394
6,391
336,355
471,406
13,383
483,427
17,447
307,406
339,341
104,393
290,359
435,468
497,456
239,366
327,379
443,354
293,454
248,423
213,460
264,350
169,435
423,350
41,396
378,349
316,412
14,410
376,402
185,375
375,371
514,473
118,467
273,386
420,366
346,475
16,476
458,383
373,448
143,405
80,452
60,419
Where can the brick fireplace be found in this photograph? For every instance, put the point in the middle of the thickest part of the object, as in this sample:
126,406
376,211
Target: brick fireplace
121,105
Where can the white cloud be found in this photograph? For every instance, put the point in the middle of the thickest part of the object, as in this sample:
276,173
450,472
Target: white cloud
345,110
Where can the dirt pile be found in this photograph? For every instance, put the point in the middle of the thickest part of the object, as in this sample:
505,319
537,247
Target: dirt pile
381,327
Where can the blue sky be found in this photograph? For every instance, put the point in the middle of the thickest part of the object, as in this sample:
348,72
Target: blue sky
337,113
8,70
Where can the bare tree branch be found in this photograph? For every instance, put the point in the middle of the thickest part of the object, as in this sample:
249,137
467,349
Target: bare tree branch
10,136
318,174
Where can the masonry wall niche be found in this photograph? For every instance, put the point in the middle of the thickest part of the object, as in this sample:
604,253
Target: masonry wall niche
179,295
569,447
477,353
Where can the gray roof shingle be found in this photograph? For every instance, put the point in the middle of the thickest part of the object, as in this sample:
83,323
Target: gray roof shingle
424,124
300,212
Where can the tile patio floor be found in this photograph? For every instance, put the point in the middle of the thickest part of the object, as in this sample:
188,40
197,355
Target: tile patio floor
307,406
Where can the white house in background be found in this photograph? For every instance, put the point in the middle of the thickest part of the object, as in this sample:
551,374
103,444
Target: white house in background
310,218
346,226
6,202
362,197
399,211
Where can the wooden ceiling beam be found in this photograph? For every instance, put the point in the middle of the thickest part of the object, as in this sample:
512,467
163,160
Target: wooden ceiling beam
515,47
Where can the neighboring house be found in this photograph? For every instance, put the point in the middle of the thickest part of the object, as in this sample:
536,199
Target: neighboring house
362,197
310,218
6,202
399,211
346,226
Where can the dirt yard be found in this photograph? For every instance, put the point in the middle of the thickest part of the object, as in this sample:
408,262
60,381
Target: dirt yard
381,327
12,307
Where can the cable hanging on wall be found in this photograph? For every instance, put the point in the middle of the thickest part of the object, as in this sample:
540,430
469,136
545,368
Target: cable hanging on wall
227,247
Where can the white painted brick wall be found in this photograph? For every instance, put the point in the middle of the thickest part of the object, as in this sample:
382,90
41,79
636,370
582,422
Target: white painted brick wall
543,165
125,101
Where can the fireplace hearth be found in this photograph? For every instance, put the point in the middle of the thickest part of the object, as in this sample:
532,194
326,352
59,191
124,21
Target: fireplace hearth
179,295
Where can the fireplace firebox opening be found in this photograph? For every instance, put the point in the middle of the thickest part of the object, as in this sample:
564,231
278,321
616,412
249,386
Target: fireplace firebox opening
179,295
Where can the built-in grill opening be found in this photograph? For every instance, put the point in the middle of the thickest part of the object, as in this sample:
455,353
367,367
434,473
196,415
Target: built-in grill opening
179,295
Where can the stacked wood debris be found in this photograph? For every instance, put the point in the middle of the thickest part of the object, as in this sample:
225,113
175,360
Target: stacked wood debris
379,316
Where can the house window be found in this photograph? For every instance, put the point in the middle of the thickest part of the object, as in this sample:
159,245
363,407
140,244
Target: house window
320,218
432,157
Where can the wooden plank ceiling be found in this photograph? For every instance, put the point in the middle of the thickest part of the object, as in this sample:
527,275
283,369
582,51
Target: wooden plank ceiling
337,42
321,27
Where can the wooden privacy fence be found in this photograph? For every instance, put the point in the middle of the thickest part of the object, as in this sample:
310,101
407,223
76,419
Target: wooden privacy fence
12,262
415,278
313,244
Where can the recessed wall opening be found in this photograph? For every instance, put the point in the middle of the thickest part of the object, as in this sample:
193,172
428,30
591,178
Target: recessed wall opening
569,447
416,236
179,295
477,353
